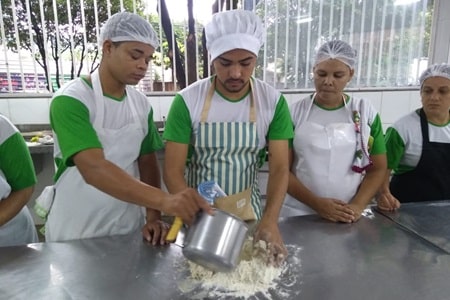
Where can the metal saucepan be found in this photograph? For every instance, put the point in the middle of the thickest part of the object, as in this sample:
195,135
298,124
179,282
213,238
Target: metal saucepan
215,241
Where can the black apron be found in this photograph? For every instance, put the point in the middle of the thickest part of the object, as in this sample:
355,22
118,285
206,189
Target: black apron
430,180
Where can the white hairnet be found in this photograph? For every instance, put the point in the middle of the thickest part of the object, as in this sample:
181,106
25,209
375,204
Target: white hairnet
438,70
339,50
128,27
234,29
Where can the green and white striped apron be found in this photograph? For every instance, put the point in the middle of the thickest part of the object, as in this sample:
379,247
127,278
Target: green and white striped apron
227,152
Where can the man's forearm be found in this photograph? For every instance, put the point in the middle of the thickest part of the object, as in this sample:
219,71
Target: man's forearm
11,206
276,191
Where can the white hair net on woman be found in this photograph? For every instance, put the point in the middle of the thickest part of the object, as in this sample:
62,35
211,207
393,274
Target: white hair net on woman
339,50
234,29
437,70
128,27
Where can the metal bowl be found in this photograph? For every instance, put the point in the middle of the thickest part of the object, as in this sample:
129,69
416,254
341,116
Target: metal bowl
215,241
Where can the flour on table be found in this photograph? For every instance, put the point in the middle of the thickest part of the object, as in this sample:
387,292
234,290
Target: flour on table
252,276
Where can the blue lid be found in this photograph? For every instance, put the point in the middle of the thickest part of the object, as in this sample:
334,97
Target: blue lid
210,190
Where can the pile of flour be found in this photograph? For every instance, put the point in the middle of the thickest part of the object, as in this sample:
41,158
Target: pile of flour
252,276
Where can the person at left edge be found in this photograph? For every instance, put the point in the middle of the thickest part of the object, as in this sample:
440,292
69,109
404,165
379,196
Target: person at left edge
105,141
218,128
17,181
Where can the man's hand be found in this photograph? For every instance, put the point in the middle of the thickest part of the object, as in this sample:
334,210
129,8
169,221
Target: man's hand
269,232
185,205
155,232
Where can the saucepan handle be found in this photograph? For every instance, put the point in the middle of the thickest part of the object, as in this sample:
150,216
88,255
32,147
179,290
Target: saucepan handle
174,229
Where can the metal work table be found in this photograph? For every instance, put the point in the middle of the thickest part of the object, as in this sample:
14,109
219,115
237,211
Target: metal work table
41,148
431,221
374,258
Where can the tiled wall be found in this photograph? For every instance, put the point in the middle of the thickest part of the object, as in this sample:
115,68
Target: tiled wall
391,104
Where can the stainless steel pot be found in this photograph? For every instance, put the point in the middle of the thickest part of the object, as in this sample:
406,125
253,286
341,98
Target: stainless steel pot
215,241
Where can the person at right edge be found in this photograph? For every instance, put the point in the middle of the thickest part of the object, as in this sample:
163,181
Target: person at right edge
338,154
418,146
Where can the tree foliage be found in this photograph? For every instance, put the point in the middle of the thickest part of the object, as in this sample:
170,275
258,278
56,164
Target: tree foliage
388,37
58,31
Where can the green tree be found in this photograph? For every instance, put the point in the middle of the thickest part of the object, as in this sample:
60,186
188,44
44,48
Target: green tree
58,30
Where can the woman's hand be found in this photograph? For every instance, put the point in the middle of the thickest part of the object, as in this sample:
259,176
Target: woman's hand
334,210
357,211
387,201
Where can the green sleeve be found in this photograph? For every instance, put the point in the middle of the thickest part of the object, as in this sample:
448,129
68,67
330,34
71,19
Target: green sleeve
178,127
376,131
152,141
395,147
69,119
281,126
16,163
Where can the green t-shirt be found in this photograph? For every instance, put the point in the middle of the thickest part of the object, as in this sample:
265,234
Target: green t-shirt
15,159
273,118
71,115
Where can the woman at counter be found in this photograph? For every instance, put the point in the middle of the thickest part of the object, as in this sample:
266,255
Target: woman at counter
338,158
17,180
418,146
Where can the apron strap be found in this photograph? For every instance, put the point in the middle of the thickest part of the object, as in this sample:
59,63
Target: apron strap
252,103
99,101
424,127
207,103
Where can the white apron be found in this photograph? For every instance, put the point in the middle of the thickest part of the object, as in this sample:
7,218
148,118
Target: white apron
80,210
324,157
227,153
19,230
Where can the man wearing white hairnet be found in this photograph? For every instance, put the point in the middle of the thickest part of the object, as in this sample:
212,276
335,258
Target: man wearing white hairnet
218,128
105,143
418,146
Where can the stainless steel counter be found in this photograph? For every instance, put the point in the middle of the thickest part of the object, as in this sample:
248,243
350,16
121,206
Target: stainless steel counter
431,221
374,258
41,148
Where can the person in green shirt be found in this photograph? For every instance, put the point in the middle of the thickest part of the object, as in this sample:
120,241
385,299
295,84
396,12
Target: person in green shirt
106,143
418,146
218,128
17,181
338,154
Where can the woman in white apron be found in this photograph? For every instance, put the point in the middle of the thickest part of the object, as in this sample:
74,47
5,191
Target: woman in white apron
338,154
17,180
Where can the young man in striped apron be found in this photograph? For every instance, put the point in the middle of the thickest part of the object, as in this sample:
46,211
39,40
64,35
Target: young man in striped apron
218,129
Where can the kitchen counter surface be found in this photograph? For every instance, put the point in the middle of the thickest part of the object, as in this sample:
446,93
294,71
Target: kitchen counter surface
431,222
375,258
38,148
